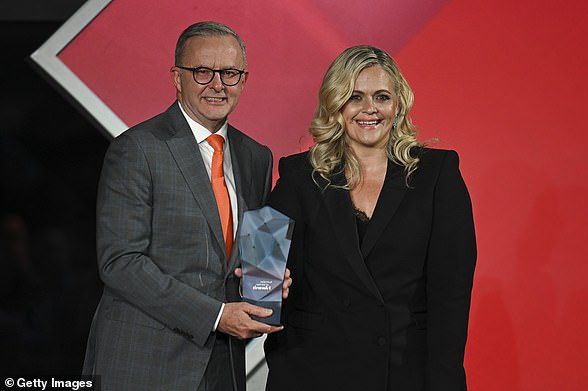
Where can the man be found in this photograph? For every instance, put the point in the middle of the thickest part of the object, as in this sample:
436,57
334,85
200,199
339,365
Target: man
170,317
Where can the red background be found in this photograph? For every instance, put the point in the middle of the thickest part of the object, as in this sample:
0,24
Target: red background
503,82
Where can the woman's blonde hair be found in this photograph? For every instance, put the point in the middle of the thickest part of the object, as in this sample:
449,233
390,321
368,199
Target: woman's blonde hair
327,127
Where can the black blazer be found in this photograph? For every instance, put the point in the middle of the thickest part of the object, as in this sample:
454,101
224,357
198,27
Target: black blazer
391,313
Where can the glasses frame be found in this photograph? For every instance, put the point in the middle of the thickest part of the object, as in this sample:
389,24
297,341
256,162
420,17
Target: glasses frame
214,72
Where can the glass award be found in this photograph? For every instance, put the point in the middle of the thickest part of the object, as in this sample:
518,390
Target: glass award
264,243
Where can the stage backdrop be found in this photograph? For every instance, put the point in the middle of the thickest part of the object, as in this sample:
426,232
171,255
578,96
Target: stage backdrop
503,82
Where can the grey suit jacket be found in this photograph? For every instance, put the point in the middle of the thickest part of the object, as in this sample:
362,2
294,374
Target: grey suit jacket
162,258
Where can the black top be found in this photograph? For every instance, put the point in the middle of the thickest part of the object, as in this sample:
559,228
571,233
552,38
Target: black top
362,221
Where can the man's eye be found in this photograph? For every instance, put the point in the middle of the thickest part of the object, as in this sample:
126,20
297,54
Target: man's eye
230,73
202,71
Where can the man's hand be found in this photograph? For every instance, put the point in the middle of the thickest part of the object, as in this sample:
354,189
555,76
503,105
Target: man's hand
235,320
285,285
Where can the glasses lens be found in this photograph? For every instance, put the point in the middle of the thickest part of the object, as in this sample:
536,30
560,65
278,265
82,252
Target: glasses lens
203,75
230,77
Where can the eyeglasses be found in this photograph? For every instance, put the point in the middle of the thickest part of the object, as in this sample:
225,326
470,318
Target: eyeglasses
203,75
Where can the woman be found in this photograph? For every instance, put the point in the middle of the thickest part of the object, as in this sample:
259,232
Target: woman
384,249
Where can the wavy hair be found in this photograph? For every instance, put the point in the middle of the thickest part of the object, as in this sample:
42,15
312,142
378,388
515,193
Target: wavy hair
331,150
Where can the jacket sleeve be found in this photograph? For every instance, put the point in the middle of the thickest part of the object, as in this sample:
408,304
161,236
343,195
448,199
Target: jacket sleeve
286,198
451,260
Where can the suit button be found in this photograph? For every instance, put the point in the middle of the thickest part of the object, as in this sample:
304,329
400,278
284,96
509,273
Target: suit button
381,341
346,303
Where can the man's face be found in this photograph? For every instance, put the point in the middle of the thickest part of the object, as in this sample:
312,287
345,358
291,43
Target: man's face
209,104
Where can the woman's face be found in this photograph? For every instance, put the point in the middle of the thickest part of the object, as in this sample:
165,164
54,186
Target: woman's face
369,113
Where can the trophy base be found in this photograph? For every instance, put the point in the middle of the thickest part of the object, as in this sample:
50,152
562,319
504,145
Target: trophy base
276,306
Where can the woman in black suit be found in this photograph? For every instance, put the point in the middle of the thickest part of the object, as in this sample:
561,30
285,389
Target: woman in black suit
383,252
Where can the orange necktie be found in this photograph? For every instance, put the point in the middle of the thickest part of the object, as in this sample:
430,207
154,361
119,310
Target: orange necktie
221,193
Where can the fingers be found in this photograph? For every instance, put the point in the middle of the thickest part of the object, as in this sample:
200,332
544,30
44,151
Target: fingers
238,272
273,329
260,312
261,327
286,284
236,321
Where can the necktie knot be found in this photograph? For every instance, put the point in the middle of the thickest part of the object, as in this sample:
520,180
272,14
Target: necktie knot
216,141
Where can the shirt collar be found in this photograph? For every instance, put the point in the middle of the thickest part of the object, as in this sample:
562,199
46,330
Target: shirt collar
199,131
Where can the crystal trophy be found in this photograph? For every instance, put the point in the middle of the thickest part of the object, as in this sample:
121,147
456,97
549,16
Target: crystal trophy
264,242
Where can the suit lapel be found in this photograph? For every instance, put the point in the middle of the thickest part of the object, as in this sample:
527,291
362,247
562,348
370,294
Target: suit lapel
338,203
186,153
241,162
391,195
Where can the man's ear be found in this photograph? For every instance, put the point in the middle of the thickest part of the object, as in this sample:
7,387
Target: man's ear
175,74
245,77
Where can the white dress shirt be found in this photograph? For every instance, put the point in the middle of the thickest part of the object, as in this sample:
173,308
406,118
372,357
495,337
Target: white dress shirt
206,150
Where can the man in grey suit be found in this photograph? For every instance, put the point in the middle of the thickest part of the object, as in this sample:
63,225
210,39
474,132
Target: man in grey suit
170,317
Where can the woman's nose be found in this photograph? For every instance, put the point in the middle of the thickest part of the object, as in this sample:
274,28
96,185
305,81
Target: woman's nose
369,106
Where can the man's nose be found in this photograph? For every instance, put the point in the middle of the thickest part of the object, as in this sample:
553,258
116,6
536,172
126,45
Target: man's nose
216,83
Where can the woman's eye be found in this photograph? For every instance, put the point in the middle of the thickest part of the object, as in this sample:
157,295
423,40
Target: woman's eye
355,97
383,98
